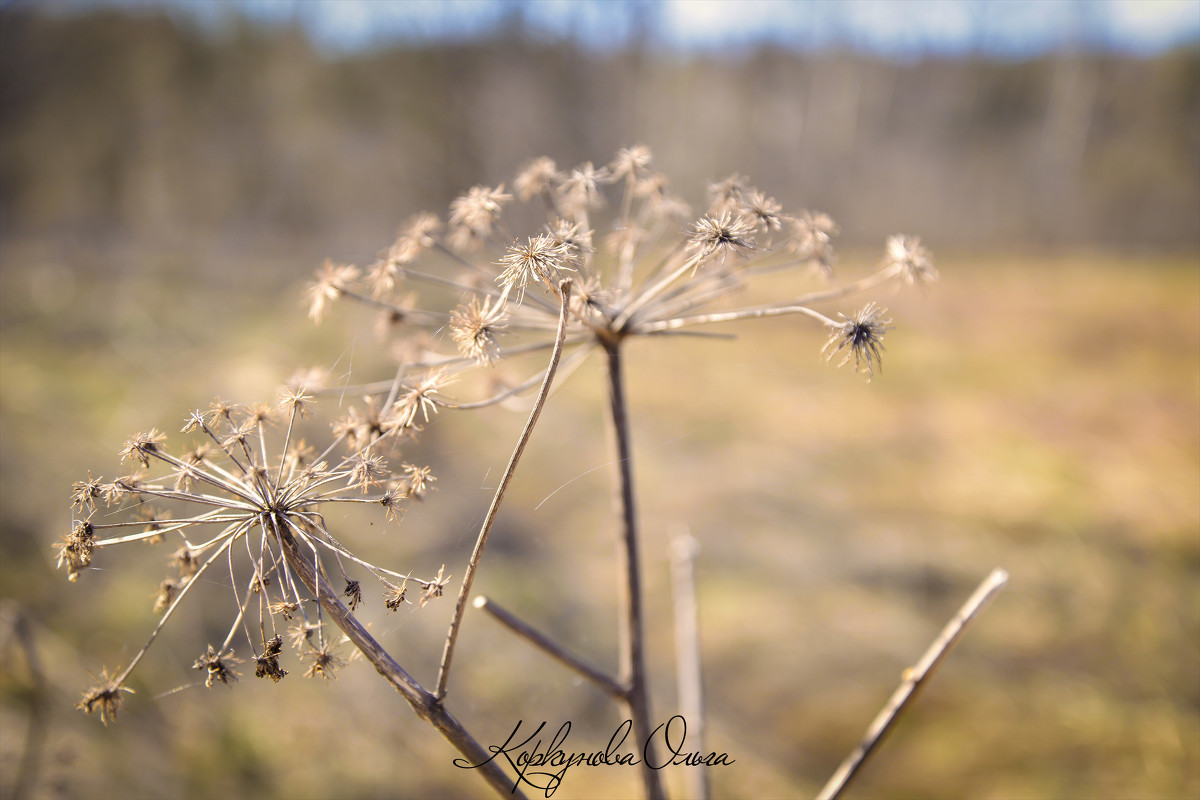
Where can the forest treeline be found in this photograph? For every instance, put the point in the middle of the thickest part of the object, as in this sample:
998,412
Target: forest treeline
135,126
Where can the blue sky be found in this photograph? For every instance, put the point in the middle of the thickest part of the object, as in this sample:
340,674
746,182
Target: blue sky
900,28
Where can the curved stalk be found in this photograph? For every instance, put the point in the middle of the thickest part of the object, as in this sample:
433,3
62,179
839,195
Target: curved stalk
564,289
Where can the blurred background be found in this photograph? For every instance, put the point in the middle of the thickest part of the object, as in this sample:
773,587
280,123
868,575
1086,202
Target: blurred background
171,175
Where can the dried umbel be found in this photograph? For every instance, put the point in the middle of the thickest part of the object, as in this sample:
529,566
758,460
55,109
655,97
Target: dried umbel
236,508
653,273
652,269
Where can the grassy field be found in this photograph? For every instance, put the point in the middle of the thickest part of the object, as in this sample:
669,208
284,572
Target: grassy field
1036,413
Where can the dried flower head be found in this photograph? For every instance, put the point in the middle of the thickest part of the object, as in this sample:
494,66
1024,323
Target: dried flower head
537,178
474,215
331,281
861,336
635,272
238,499
266,665
722,235
324,662
812,240
765,211
217,666
474,327
540,259
909,256
630,162
581,190
105,698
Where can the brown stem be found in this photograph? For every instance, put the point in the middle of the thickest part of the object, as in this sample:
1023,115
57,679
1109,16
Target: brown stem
632,617
564,289
551,647
687,654
422,701
914,679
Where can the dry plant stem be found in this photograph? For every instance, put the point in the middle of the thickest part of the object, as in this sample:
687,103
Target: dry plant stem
427,707
35,735
632,616
551,648
687,655
564,290
914,678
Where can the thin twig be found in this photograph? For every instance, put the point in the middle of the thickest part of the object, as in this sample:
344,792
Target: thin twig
687,654
469,578
632,631
31,761
551,647
914,678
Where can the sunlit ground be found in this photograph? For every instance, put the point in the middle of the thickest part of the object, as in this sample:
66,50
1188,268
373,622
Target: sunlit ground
1039,414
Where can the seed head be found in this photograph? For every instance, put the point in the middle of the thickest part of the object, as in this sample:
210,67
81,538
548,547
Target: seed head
914,261
723,234
630,162
473,216
581,190
141,446
474,326
217,666
75,551
106,698
324,662
536,178
267,665
353,594
863,335
540,258
727,194
766,213
331,280
812,240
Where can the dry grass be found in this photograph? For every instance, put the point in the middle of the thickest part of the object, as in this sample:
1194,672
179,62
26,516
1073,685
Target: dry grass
1035,413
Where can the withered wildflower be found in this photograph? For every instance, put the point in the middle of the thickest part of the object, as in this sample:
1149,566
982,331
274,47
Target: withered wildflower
84,494
473,216
331,280
217,666
266,665
907,255
812,240
167,591
474,327
324,662
723,234
541,258
75,551
861,335
537,178
648,274
352,593
106,698
434,588
395,596
243,507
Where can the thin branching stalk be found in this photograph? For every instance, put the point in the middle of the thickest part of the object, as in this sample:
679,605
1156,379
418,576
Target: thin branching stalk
690,679
424,703
632,629
552,648
914,678
14,617
564,289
